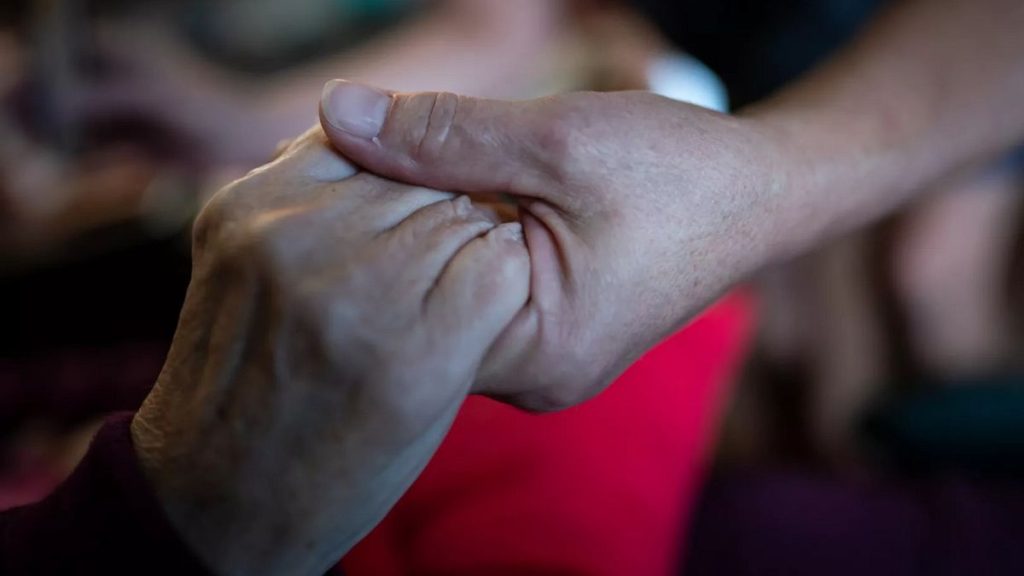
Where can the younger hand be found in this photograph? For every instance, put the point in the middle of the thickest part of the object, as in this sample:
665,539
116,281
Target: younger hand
638,211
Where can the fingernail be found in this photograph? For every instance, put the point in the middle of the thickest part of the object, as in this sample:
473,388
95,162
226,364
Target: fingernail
513,231
463,205
355,108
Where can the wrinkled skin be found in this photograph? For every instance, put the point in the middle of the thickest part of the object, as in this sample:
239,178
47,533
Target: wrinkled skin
334,324
624,246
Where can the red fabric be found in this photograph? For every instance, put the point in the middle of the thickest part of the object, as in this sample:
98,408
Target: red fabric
25,483
601,489
65,389
103,520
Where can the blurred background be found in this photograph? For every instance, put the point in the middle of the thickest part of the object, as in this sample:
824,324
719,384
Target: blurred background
879,372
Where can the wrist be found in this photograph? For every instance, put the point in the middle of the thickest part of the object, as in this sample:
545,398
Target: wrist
840,165
831,173
776,175
209,516
210,492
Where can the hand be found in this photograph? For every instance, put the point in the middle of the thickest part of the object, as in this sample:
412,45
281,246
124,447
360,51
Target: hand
637,210
334,324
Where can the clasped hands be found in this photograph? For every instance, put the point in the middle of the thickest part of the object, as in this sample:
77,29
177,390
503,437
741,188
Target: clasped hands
337,318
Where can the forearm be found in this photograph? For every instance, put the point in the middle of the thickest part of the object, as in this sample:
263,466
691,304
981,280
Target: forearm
931,87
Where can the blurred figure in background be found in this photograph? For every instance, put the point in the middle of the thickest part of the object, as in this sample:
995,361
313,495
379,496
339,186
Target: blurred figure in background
223,83
280,53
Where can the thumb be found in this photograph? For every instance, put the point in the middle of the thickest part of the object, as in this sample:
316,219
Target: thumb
441,140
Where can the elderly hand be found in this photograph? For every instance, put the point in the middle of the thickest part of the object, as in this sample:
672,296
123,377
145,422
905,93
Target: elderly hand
334,324
637,212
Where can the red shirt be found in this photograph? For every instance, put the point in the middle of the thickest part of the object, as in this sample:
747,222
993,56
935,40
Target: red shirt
103,520
602,489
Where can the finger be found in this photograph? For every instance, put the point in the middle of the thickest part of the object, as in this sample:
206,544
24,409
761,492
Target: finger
504,372
309,172
310,158
479,293
384,204
364,205
442,140
433,235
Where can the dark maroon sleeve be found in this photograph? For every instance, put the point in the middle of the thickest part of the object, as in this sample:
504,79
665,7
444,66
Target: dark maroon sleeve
103,520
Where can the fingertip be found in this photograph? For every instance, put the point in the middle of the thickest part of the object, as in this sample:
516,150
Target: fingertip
512,231
513,263
354,109
488,281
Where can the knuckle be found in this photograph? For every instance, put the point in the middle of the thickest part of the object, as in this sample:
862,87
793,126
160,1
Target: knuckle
236,249
261,246
267,244
451,210
440,126
446,219
506,265
238,226
231,204
215,217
